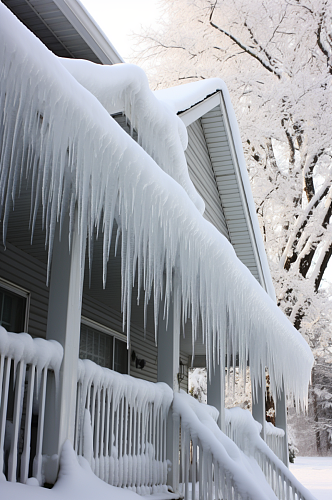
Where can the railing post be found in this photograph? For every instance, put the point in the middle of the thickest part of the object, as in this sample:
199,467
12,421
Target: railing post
281,422
168,368
63,325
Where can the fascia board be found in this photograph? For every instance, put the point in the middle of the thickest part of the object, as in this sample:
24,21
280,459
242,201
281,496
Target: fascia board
84,24
221,98
246,194
198,110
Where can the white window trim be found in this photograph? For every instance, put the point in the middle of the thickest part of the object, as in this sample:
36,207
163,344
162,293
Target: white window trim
22,292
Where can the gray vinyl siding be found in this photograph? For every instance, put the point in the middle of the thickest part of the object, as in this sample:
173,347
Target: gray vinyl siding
25,271
202,176
125,124
184,385
213,125
144,346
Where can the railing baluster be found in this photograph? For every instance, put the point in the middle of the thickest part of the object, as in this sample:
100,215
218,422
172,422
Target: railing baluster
27,428
107,433
77,418
12,461
3,409
97,434
37,463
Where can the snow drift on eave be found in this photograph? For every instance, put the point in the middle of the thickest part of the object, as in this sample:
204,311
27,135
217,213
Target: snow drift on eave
59,136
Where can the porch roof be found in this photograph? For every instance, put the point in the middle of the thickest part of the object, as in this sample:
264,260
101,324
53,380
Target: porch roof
59,136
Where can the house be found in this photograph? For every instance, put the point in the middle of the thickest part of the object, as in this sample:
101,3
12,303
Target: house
129,241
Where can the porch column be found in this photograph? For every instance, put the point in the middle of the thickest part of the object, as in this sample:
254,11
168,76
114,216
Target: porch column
63,325
281,422
258,403
168,368
216,391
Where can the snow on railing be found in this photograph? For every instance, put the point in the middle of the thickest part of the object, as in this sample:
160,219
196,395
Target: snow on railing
274,439
24,366
210,458
121,428
245,432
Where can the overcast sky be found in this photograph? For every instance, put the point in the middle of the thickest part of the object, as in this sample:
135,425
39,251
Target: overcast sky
119,18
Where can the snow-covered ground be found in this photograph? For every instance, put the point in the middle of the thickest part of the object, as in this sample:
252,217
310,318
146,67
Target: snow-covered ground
315,473
76,482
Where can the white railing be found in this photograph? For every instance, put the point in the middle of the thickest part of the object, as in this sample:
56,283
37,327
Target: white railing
121,428
211,465
245,432
24,367
274,439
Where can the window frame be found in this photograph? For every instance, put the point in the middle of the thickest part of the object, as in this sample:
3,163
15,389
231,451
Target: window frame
90,323
21,292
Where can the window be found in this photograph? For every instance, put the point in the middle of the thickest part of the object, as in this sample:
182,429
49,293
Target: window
103,346
14,306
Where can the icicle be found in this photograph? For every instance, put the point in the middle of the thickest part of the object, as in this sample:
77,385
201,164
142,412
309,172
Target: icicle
77,158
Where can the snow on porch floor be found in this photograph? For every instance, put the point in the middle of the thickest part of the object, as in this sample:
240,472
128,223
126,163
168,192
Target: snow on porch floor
162,496
315,473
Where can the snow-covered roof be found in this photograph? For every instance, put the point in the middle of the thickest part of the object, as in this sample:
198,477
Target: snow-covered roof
61,138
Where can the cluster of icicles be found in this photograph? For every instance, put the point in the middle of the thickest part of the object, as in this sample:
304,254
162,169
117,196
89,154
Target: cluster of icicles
57,137
121,428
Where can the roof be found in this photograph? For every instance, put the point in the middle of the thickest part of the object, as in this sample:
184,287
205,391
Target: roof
66,28
210,102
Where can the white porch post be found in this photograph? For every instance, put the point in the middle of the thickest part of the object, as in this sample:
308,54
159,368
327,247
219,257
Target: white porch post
168,368
281,422
63,325
258,403
216,391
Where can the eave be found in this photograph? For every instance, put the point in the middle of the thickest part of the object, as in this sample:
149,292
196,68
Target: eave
226,154
66,28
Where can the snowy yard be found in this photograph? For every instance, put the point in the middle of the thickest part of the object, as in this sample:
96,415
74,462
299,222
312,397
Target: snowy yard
315,473
77,483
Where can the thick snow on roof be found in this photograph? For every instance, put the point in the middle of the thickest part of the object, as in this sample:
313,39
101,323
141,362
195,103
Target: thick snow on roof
183,97
59,137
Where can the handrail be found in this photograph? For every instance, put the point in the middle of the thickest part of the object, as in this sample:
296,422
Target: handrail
274,439
224,471
24,367
121,428
244,431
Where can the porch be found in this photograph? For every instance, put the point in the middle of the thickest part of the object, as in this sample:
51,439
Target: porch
129,429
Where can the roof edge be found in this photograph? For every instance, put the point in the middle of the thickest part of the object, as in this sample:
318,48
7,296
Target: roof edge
89,30
222,98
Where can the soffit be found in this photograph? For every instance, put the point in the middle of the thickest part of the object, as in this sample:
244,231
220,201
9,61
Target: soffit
65,28
228,179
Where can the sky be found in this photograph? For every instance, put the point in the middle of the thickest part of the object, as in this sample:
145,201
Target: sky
119,18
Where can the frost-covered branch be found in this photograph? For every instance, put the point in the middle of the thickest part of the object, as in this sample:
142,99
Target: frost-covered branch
265,63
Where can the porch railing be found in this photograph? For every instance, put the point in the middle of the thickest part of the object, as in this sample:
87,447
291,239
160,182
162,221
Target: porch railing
121,428
245,432
211,465
25,364
274,439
